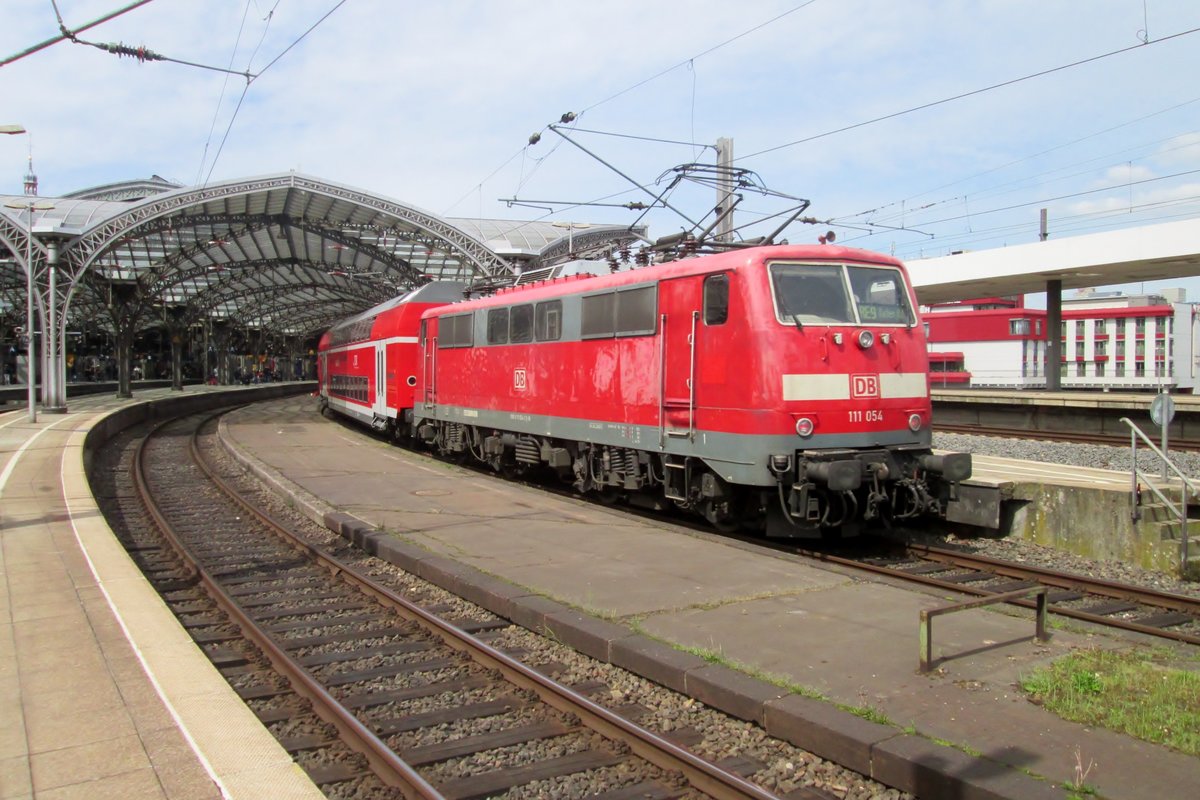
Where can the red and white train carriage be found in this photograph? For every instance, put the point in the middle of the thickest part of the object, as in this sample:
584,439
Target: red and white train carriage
367,365
783,386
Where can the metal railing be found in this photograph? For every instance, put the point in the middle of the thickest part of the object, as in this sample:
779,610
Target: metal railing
1186,487
925,632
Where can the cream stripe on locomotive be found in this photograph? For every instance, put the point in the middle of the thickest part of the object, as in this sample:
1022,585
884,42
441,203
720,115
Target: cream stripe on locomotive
847,386
372,342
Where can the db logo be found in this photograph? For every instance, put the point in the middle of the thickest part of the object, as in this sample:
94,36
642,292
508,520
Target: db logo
519,380
864,386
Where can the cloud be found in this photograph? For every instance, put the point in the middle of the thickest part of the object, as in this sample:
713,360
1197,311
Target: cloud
432,103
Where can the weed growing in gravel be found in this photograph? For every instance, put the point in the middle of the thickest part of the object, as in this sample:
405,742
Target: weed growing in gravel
1133,692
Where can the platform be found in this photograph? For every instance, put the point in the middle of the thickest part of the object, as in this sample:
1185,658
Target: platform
102,694
1075,411
1038,502
627,586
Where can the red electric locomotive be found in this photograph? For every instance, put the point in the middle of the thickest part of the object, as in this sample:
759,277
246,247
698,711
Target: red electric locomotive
783,387
367,365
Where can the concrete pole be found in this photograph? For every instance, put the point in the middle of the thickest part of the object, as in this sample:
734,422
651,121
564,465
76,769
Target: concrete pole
724,187
1053,335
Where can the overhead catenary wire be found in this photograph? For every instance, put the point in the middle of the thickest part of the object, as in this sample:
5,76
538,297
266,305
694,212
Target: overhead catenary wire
972,93
249,80
1017,185
69,33
1023,159
701,54
688,61
221,97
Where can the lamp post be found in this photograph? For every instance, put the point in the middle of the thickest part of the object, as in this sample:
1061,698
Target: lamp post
31,367
571,226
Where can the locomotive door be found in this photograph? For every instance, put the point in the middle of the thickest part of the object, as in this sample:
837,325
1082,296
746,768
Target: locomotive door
429,363
679,309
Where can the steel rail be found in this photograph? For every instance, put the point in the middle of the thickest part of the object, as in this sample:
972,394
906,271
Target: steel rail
387,765
702,775
1062,580
1071,437
1017,571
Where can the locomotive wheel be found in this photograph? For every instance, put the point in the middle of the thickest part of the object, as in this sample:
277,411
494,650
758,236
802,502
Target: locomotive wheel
608,495
720,517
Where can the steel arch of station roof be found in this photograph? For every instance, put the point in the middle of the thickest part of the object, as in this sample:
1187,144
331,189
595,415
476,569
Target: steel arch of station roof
287,252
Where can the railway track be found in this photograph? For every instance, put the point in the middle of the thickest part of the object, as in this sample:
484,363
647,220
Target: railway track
1123,606
1073,437
1127,607
372,693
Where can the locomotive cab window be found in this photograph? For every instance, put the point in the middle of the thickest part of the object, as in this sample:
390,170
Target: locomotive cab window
716,299
825,294
811,294
880,295
547,323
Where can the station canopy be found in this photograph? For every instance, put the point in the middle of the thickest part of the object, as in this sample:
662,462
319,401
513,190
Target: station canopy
287,254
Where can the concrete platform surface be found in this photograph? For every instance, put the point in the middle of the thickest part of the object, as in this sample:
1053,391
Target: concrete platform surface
851,639
102,693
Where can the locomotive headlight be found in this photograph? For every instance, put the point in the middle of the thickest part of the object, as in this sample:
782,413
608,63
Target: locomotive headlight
914,422
805,427
886,338
866,339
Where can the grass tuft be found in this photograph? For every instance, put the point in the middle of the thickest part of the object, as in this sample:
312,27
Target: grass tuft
1131,692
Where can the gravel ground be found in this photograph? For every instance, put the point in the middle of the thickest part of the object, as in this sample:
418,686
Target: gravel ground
1081,455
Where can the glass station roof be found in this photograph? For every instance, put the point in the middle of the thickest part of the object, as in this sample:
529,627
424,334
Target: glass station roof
287,253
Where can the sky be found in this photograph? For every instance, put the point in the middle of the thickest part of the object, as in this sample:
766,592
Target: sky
915,128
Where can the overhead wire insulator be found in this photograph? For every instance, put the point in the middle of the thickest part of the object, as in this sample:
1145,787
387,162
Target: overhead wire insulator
141,53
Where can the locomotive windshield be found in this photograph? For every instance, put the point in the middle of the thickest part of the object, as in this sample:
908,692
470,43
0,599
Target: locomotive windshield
824,294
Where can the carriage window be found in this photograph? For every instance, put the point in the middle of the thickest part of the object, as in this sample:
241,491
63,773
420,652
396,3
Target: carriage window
597,318
497,326
813,294
520,324
716,299
548,321
880,295
635,311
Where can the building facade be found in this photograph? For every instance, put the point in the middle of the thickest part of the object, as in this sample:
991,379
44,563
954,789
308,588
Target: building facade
1110,341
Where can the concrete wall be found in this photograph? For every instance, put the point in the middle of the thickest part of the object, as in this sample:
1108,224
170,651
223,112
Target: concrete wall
185,403
1095,523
